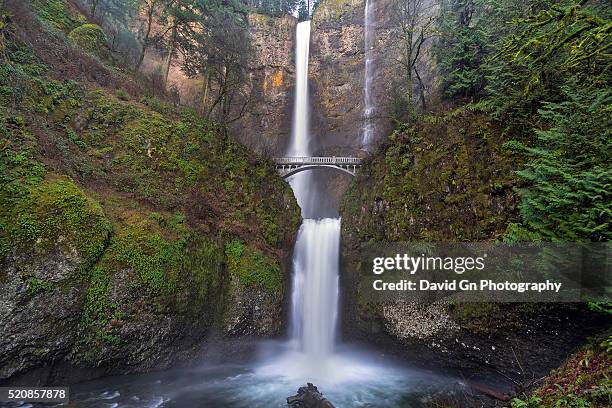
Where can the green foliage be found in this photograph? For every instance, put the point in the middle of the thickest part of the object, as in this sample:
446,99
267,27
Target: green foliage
90,37
601,307
122,94
549,85
57,14
531,402
36,285
252,267
462,47
568,177
582,382
274,7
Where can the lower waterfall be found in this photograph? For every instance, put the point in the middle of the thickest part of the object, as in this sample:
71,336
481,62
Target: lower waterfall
314,309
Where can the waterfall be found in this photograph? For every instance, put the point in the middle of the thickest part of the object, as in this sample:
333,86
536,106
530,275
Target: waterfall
312,354
315,286
300,137
367,131
316,254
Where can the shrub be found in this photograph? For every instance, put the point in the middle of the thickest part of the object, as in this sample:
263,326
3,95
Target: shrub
90,37
122,94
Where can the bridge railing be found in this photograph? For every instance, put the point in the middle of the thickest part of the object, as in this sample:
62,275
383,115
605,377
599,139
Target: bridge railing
317,160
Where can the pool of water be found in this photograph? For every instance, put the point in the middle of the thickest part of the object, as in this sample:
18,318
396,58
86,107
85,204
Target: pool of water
348,378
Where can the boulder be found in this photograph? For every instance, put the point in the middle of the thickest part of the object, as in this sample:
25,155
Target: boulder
308,397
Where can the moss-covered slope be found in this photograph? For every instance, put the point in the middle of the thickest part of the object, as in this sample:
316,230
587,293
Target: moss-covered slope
447,179
115,213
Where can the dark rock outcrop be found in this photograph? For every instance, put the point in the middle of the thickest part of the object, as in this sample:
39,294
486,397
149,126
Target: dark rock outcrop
308,397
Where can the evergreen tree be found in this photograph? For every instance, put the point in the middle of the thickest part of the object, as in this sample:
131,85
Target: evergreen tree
552,75
303,13
462,48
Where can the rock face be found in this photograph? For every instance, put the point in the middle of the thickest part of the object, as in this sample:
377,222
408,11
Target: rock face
266,124
337,72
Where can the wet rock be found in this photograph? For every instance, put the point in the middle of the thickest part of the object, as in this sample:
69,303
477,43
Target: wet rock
308,397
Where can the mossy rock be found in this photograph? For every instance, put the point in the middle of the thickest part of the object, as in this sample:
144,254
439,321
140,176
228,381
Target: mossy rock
154,265
252,267
56,212
90,37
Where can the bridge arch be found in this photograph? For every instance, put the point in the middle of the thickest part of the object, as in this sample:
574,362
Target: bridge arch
300,169
288,166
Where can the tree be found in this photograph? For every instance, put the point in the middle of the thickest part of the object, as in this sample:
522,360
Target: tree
552,77
149,8
303,12
461,48
179,17
217,47
413,25
273,7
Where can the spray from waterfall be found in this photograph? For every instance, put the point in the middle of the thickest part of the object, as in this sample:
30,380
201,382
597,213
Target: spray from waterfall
368,128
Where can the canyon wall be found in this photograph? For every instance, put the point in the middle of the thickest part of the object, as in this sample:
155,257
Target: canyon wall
337,71
266,123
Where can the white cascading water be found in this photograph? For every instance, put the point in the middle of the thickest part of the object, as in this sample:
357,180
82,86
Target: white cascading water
367,131
315,286
347,376
316,254
300,138
311,354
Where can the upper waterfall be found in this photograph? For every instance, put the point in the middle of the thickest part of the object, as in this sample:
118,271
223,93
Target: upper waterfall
367,130
300,137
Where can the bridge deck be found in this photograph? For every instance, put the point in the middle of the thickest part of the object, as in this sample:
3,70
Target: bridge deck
305,160
288,166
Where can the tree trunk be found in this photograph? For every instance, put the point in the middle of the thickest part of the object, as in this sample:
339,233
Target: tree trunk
145,44
170,53
205,87
421,88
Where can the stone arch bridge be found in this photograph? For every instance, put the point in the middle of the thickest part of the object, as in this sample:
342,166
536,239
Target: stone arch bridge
288,166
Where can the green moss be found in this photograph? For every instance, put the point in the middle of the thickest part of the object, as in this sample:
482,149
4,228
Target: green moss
57,210
442,179
152,248
90,37
57,14
252,267
98,313
174,270
36,285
